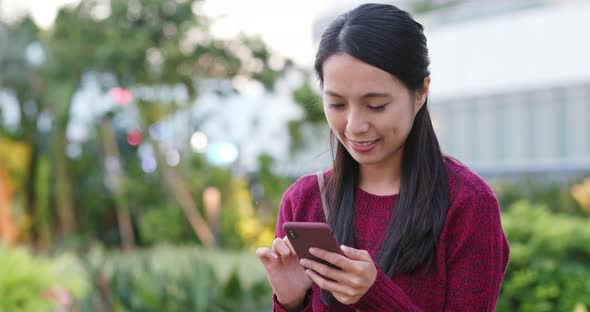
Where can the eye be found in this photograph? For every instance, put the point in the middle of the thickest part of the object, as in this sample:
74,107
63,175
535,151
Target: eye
336,106
378,108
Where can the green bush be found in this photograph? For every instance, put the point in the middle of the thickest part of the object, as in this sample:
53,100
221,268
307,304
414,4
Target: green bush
159,279
554,195
549,262
176,279
30,283
165,225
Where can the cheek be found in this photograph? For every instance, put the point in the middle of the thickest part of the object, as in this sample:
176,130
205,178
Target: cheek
335,122
402,131
398,126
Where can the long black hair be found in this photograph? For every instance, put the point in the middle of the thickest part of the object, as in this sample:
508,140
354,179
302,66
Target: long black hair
388,38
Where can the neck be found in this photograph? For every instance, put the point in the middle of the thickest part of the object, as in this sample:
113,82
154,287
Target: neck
382,178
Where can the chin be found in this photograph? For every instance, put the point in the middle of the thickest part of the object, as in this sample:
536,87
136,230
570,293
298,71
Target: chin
365,160
369,162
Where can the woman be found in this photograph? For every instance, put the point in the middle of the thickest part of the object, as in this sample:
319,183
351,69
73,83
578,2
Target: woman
420,231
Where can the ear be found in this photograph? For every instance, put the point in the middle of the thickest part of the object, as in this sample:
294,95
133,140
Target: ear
422,94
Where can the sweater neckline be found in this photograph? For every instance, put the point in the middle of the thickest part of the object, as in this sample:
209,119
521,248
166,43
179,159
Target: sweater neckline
366,194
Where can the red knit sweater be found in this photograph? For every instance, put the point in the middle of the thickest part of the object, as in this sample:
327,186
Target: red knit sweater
470,259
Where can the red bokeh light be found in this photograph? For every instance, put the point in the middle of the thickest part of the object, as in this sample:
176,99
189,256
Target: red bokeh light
134,138
122,97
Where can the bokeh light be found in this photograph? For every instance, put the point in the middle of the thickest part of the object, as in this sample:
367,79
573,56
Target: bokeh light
172,157
222,154
199,142
149,164
73,150
122,97
134,138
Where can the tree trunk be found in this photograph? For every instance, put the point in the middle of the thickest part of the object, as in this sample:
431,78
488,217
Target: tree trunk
28,129
42,217
60,105
30,191
183,195
63,187
115,183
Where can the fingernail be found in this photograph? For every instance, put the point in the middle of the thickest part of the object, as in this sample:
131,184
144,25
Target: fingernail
312,250
274,255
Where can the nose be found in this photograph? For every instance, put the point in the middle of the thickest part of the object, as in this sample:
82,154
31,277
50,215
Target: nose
357,122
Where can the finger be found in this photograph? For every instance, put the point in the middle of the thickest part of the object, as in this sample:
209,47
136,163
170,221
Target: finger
356,254
288,243
333,258
279,247
328,285
266,254
268,258
325,270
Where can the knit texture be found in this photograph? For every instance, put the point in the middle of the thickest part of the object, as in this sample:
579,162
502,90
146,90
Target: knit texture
470,259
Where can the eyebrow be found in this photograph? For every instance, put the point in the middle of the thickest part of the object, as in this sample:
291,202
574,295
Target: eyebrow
365,96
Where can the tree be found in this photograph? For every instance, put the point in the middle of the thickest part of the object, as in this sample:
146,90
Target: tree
21,60
138,44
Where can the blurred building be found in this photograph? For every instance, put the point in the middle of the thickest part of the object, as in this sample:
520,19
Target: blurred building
511,84
511,92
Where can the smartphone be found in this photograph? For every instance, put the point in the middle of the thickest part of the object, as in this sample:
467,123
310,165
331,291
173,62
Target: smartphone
304,235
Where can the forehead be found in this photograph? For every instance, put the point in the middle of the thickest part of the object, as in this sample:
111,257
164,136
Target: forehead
349,76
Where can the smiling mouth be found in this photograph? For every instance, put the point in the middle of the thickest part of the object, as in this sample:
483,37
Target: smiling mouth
363,143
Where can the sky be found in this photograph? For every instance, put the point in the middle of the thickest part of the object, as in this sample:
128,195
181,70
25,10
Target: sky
286,26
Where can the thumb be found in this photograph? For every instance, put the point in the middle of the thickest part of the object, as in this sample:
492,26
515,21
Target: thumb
356,254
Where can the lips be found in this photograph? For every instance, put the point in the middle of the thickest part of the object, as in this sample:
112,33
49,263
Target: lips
363,146
363,143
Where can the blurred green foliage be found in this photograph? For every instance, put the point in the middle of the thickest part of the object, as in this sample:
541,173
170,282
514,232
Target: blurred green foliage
176,279
273,185
554,195
164,278
313,114
164,224
548,271
549,262
34,283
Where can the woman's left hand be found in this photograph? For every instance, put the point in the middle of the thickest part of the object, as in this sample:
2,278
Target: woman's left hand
348,285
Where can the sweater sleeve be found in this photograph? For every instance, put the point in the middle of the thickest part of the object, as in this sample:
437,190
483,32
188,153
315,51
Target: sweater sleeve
276,307
286,215
385,295
477,255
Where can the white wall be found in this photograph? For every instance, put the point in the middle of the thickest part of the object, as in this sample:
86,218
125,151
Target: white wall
534,48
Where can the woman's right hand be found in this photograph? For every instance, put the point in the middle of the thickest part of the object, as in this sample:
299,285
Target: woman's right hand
285,274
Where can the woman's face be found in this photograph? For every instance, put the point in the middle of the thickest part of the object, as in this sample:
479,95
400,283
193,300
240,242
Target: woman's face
370,111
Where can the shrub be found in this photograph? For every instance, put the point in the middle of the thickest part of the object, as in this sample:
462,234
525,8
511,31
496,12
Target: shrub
550,253
176,279
554,195
165,225
30,283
